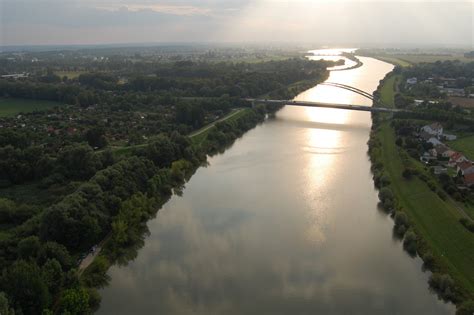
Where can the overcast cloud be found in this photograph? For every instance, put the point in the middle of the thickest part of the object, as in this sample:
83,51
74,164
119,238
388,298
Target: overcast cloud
315,21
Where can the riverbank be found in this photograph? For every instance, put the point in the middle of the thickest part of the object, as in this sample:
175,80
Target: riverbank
445,246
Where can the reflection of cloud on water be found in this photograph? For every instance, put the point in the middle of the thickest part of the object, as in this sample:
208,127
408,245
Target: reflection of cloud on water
321,150
345,127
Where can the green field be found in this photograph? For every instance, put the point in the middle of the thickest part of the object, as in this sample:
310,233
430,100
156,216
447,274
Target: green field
435,220
395,61
464,145
414,58
14,106
69,74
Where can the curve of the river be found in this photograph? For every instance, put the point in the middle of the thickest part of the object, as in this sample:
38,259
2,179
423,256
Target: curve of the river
283,222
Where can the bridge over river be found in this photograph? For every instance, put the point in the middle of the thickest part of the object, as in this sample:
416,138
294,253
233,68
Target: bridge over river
364,108
325,105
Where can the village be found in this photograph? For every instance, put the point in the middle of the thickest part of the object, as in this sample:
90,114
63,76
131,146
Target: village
444,159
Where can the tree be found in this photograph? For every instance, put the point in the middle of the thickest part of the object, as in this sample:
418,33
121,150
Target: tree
27,289
29,247
410,242
5,308
162,151
78,161
96,137
466,308
57,252
53,275
75,302
443,285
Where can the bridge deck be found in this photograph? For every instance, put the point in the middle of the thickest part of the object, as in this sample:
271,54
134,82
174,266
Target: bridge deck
326,105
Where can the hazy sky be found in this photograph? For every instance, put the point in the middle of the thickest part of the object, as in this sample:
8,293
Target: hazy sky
315,21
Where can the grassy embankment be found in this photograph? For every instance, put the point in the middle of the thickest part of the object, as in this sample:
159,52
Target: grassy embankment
435,220
14,106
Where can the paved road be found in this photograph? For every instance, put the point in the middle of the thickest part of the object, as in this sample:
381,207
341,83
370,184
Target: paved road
92,255
198,132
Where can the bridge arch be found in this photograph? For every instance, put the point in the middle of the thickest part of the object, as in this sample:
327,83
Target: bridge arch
349,88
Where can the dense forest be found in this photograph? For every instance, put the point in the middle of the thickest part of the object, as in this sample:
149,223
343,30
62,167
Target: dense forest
101,163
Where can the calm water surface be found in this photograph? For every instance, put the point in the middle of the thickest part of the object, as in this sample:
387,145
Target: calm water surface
284,222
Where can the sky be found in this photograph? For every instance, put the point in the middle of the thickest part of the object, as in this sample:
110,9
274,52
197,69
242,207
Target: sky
326,22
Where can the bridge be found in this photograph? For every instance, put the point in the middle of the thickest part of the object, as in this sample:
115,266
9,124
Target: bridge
364,108
324,105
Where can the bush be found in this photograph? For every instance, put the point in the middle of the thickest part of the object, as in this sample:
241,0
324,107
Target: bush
410,242
408,173
401,223
466,308
428,260
443,285
468,224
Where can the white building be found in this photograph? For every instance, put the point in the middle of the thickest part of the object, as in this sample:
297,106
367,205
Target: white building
434,141
449,137
434,129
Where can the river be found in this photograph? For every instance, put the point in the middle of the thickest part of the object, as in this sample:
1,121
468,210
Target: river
283,222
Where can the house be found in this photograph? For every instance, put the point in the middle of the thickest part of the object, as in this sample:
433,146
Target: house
425,136
469,180
449,137
434,141
14,76
433,152
448,153
453,91
426,157
418,102
456,158
465,167
412,81
439,170
435,129
441,149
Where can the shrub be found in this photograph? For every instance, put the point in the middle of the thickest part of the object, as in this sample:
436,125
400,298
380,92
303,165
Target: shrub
443,285
409,242
468,224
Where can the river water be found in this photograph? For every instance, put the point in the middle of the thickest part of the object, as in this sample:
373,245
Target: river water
283,222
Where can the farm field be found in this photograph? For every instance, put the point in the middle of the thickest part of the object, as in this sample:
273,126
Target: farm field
14,106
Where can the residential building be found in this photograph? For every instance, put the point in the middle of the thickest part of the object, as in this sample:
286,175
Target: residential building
469,180
435,129
456,159
449,137
448,153
465,167
434,141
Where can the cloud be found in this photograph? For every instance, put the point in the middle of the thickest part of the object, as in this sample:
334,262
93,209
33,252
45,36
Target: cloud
317,21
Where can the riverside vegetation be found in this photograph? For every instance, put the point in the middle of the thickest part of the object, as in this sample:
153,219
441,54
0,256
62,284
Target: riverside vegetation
101,163
427,218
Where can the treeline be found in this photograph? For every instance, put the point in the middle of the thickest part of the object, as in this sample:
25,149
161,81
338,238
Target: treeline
188,80
237,80
37,260
461,71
